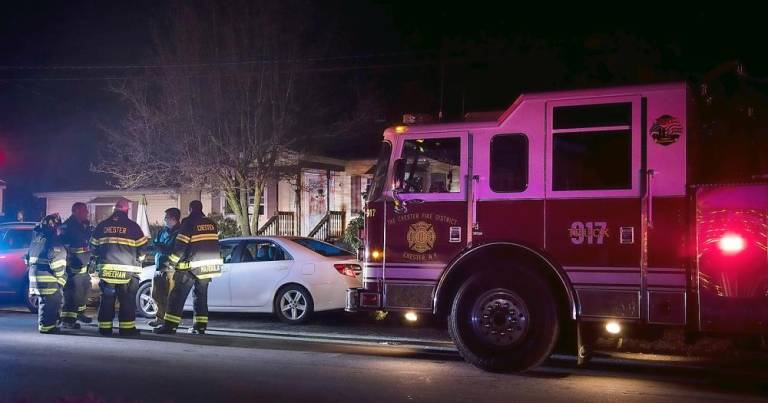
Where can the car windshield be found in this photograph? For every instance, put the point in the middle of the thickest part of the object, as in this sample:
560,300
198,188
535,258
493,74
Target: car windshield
322,248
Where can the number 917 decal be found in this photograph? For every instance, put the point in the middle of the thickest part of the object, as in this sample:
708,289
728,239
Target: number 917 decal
591,232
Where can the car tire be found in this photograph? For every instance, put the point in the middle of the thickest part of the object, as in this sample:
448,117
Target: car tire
504,322
145,305
31,301
293,304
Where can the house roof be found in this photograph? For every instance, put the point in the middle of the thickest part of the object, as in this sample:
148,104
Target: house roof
108,193
106,200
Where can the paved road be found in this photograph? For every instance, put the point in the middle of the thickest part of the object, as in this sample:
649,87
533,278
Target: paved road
237,367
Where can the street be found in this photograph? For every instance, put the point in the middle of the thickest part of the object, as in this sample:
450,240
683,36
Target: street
271,362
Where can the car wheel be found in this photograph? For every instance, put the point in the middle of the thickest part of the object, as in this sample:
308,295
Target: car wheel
504,322
293,304
145,305
31,301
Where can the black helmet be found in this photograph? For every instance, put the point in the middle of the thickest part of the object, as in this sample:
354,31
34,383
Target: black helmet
51,221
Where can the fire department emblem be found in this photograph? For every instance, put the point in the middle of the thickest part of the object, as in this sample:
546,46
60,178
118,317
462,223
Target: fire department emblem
666,130
421,237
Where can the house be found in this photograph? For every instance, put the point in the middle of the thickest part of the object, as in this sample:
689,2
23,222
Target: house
323,196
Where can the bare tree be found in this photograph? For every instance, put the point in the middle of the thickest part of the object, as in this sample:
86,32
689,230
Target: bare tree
221,109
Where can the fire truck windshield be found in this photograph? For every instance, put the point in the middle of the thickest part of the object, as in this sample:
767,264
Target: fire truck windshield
380,177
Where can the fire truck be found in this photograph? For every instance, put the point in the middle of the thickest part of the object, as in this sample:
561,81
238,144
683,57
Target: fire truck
574,212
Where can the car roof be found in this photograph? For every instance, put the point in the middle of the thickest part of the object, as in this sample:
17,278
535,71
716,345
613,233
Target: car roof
16,224
266,237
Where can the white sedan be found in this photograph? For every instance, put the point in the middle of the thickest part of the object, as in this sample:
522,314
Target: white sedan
291,277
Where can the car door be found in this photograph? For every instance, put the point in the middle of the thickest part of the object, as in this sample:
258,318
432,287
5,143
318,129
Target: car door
14,243
219,293
261,266
5,275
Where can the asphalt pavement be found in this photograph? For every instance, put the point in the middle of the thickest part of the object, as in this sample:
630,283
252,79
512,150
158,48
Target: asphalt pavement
254,358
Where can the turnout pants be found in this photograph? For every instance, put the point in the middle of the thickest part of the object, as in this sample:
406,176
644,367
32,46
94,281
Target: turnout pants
126,295
161,286
183,282
46,284
75,295
48,311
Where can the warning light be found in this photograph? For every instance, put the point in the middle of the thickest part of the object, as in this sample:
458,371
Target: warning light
731,244
411,316
613,327
401,129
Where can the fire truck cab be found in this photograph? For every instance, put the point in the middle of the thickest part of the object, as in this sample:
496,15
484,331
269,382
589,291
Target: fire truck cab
572,210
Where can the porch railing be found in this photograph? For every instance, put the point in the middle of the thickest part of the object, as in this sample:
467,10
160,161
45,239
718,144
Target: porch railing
330,228
280,224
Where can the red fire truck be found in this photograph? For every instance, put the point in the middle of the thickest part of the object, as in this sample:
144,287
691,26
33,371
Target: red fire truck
573,211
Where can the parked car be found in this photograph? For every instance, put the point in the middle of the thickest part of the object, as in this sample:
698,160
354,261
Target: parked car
15,238
292,277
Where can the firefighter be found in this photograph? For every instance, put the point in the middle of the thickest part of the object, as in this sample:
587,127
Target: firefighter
118,245
163,243
47,260
75,233
196,258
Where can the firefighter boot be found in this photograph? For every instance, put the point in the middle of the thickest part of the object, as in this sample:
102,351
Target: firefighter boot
70,325
54,330
164,329
85,319
156,322
193,330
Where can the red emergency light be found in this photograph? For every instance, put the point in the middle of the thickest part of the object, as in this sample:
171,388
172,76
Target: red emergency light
731,244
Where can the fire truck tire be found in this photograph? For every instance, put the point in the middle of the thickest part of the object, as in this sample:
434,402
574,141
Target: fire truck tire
504,322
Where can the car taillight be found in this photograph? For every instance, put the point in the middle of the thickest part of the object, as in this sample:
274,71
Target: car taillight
350,270
731,244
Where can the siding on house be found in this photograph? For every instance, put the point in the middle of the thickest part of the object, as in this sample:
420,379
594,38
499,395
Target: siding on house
157,201
345,187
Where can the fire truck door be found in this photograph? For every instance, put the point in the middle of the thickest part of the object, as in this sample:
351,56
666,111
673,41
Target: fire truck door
432,228
594,201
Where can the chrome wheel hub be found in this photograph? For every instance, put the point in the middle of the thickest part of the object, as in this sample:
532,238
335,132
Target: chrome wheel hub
147,303
500,317
293,305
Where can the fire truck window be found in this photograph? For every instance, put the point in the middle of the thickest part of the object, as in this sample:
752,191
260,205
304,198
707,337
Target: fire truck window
592,160
432,165
509,163
599,115
380,177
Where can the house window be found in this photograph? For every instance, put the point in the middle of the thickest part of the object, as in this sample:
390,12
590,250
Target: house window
509,163
592,147
228,210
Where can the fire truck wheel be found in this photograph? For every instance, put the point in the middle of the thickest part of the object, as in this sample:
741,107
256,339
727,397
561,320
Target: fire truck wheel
504,322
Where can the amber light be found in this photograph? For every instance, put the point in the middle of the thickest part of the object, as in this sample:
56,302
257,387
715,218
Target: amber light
731,244
375,255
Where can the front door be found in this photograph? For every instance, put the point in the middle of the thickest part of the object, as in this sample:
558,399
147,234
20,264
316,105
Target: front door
422,239
594,201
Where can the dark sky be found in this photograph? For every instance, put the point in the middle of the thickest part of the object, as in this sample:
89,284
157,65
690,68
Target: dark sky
49,118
